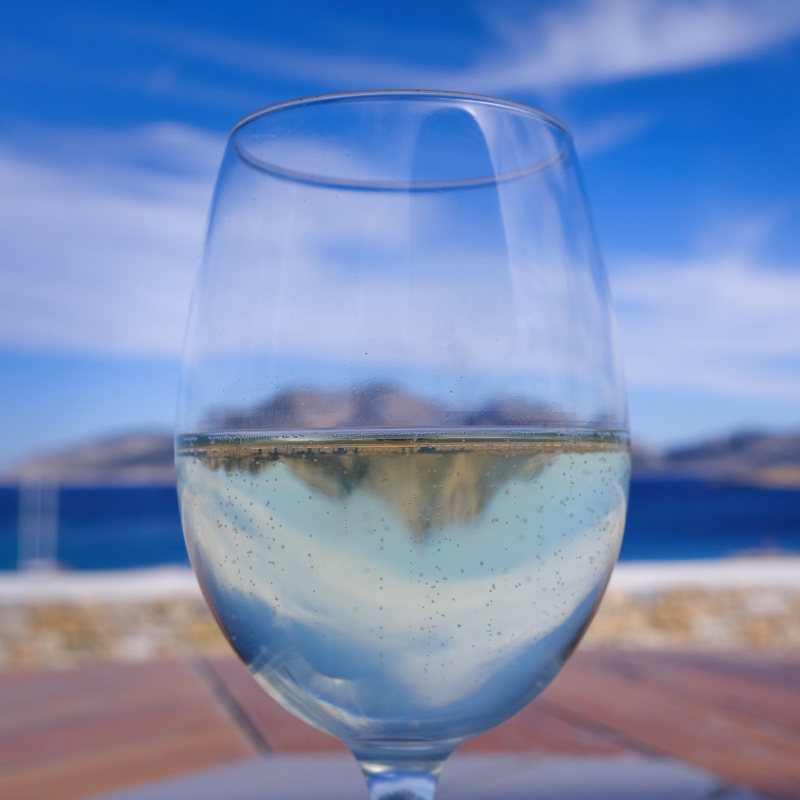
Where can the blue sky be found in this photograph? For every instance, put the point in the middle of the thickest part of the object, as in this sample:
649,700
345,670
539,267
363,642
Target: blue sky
113,118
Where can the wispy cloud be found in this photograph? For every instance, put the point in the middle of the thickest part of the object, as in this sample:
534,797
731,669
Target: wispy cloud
601,135
725,324
605,40
99,242
546,49
99,239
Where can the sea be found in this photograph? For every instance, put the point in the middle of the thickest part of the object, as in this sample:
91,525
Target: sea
133,527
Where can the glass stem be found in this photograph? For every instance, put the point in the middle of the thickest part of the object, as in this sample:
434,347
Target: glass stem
402,786
405,771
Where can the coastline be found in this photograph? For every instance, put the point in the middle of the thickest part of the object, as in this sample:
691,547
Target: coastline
75,586
739,572
736,604
177,582
60,619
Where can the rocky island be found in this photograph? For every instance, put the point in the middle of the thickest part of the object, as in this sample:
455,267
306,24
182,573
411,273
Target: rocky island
749,458
752,459
143,459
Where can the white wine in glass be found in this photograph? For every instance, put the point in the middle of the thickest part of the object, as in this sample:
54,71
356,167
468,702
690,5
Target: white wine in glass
402,443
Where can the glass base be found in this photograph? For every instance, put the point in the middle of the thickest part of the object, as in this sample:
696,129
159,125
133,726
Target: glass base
406,772
402,786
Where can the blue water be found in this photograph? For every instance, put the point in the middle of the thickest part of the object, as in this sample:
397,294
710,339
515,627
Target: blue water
667,520
109,528
684,519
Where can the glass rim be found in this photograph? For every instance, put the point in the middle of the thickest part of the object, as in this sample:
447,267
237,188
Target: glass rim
317,179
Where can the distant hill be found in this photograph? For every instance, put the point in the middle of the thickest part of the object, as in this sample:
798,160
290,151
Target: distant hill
378,406
143,459
751,458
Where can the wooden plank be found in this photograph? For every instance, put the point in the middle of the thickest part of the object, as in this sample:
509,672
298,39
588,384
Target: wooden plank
85,735
43,696
19,688
543,728
279,729
778,670
756,694
106,769
738,747
70,733
72,715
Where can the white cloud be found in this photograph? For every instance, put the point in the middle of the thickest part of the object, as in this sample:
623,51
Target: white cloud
99,237
605,40
607,133
550,49
726,325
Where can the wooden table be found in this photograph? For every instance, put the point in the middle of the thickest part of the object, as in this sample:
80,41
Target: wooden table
75,733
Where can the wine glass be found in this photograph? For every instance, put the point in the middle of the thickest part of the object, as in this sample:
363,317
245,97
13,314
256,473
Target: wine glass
402,445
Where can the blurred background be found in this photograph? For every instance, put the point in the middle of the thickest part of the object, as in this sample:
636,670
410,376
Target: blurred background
112,125
113,119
